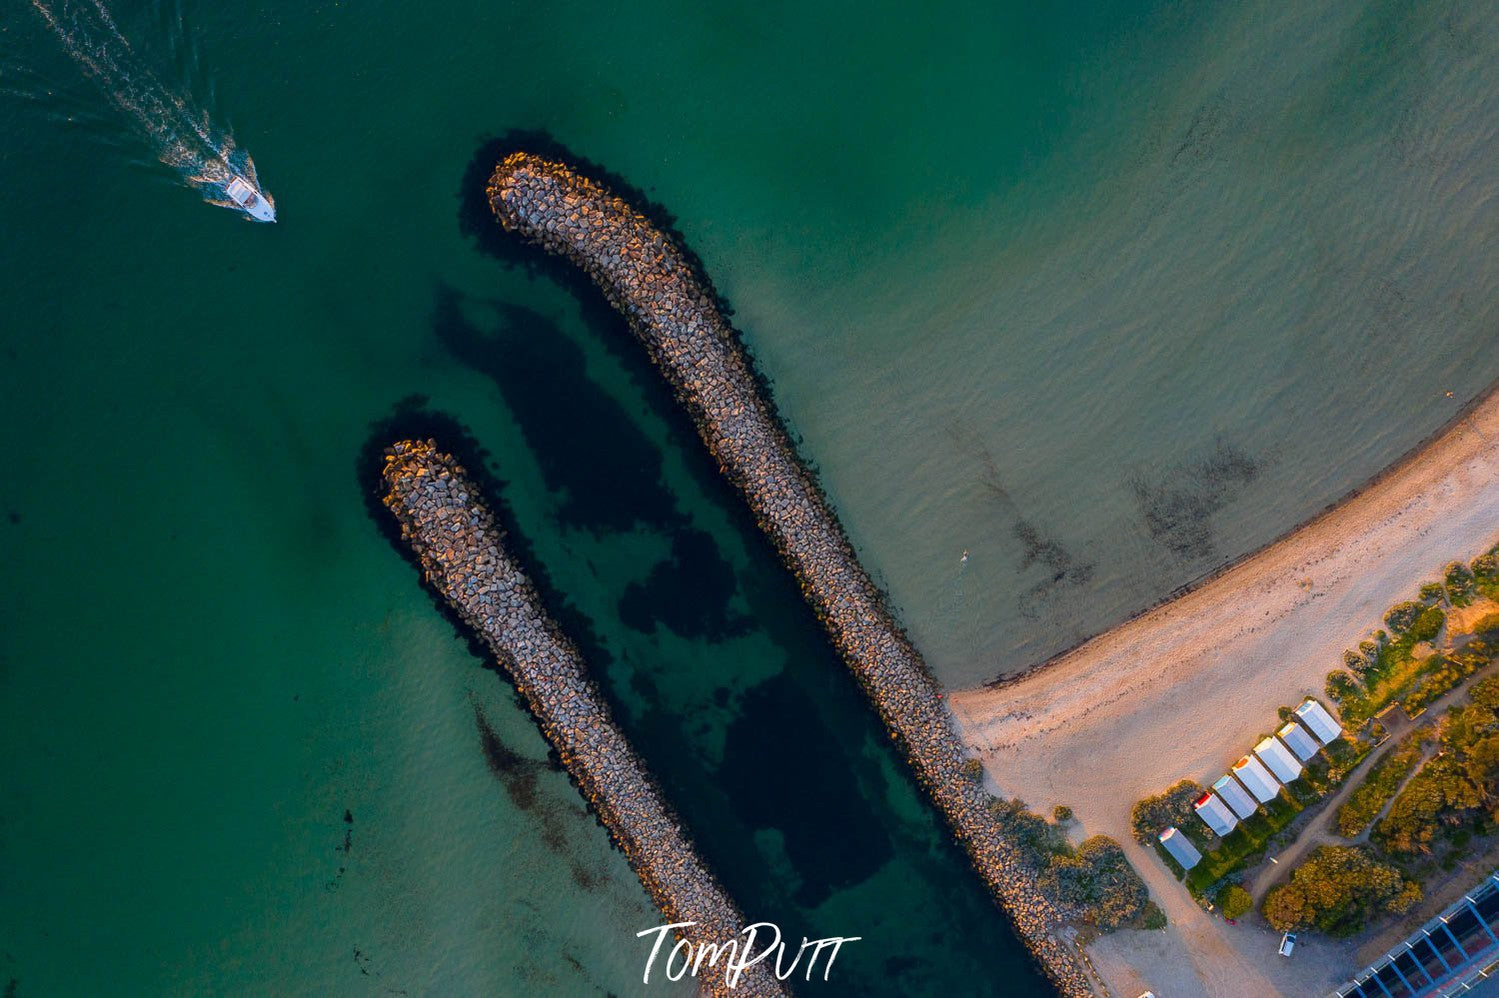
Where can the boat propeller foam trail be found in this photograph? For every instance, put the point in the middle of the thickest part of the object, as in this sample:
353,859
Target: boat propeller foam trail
181,134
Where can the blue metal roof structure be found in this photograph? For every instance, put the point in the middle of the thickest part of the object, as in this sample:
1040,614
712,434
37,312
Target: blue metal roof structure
1450,955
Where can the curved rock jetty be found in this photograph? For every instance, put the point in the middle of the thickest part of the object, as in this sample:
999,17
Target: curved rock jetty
461,550
673,311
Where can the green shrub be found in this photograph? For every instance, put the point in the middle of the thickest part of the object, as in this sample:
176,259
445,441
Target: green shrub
1427,625
1432,592
1345,753
1364,658
1234,901
1460,583
1304,792
1401,616
1153,917
1340,685
1400,677
1154,815
1486,572
1036,838
1464,725
1441,790
1061,813
973,769
1319,775
1485,692
1482,764
1097,880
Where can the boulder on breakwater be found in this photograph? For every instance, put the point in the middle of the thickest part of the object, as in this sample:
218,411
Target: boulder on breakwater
674,312
461,548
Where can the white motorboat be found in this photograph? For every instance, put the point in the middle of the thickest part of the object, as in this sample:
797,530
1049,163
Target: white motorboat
255,202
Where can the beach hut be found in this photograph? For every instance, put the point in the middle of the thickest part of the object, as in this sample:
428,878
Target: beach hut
1282,763
1295,736
1316,717
1215,814
1234,796
1181,850
1256,779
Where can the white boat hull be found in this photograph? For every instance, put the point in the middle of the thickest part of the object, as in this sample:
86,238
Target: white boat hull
251,200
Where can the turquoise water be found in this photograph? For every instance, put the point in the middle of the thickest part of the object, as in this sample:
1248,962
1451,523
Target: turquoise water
1104,294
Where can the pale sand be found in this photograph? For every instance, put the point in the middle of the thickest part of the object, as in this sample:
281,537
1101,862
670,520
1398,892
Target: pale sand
1182,691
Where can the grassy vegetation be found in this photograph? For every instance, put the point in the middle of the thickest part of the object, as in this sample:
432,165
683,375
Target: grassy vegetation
1244,845
1387,670
1395,672
1094,879
1461,583
1346,753
1485,570
1459,788
1450,803
1443,674
1379,786
1097,879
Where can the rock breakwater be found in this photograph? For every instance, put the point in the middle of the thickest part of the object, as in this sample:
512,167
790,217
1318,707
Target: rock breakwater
461,549
674,312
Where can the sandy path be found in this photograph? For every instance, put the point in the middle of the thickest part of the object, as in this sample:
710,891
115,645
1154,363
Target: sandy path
1185,689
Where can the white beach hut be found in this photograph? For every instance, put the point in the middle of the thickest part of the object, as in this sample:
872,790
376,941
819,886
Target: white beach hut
1256,779
1316,717
1234,796
1181,850
1282,763
1295,736
1215,814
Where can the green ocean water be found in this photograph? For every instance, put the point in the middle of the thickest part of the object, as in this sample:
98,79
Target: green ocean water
1104,294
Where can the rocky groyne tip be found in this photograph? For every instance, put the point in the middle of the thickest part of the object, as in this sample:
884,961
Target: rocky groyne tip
460,546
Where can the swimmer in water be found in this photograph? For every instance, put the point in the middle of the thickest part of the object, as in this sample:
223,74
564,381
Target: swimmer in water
964,559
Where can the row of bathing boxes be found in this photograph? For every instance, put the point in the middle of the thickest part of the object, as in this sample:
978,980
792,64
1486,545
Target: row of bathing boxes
1276,760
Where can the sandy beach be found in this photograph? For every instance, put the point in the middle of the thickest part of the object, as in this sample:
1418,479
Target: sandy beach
1183,690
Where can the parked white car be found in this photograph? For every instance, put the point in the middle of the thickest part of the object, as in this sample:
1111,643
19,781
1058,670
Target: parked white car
1287,943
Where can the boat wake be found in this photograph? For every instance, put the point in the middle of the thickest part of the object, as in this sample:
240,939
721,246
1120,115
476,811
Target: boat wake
181,135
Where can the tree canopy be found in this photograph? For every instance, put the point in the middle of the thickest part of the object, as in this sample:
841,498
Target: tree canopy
1453,785
1337,890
